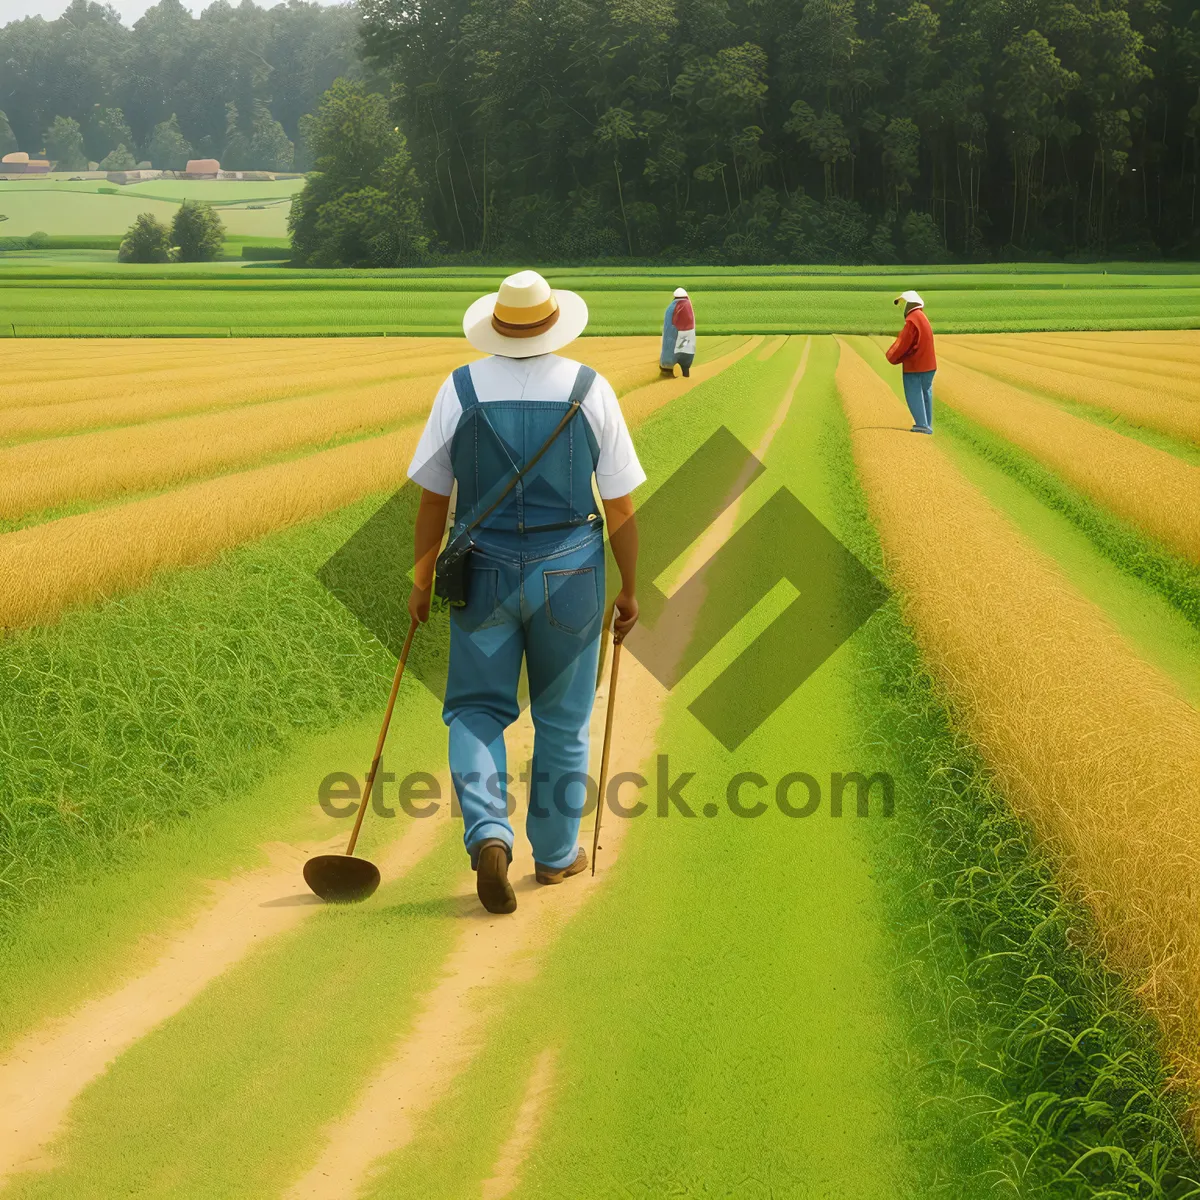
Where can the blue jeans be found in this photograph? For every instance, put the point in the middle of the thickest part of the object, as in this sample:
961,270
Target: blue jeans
918,392
543,603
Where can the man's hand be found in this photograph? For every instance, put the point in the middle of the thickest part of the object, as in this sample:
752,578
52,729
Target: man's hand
418,603
626,615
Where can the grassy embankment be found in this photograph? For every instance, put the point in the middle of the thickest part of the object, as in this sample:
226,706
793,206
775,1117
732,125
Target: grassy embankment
92,299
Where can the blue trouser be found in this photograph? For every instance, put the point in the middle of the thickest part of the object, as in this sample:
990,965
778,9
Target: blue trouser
541,598
918,393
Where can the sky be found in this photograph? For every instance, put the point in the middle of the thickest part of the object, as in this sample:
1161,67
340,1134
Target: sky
130,10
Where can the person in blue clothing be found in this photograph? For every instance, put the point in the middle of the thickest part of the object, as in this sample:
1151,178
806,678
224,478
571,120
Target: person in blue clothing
536,587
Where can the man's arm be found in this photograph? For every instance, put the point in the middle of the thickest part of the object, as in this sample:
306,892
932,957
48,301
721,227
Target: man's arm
902,347
623,538
427,541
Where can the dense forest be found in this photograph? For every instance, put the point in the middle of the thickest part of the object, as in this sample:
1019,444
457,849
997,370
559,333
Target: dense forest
231,85
708,130
803,130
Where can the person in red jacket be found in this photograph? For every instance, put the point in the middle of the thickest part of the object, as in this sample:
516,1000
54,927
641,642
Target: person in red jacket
914,349
679,335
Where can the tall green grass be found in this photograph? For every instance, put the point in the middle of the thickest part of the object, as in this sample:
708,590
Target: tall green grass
127,718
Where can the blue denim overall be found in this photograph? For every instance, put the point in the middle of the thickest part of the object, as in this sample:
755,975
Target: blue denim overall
536,592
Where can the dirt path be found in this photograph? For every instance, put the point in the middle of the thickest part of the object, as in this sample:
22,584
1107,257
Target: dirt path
494,951
507,1173
491,952
45,1071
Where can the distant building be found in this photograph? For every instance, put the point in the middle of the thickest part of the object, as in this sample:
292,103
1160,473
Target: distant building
202,168
19,163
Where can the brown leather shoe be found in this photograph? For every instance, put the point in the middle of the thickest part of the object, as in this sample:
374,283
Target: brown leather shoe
491,878
558,874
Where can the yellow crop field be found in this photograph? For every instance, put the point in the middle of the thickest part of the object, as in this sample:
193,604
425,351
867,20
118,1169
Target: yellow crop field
81,375
144,388
1093,746
205,390
1155,408
1153,489
95,466
77,559
1149,375
99,465
1150,370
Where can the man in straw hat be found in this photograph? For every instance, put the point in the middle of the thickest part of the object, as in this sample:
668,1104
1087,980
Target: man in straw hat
914,349
679,335
535,589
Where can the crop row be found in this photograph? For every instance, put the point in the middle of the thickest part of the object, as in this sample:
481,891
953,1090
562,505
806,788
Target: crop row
1152,403
1152,489
108,551
299,306
1091,745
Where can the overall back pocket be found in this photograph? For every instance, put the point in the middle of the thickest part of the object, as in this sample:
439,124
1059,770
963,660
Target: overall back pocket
572,599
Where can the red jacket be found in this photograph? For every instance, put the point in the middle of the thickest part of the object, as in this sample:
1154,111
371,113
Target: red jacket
683,317
914,346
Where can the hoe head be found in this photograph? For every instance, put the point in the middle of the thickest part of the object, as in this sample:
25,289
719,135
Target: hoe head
341,878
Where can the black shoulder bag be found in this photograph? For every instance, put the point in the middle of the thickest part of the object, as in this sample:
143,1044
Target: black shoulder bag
453,568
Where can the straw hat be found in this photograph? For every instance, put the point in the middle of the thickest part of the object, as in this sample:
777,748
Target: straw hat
910,297
526,317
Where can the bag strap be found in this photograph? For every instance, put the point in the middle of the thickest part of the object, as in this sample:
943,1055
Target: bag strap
583,384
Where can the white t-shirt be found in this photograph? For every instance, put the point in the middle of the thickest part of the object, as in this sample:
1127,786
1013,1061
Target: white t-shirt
544,377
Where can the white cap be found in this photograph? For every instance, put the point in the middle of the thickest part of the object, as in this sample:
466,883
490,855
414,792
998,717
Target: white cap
910,297
681,293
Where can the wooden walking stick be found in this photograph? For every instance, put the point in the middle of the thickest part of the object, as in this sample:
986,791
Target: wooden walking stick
608,724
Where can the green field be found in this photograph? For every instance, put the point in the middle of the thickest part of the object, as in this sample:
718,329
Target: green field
875,1007
60,207
58,294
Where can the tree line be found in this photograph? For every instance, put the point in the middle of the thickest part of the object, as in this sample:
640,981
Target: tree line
231,85
796,130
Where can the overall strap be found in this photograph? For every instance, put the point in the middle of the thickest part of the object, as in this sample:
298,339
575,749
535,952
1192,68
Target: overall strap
583,384
464,385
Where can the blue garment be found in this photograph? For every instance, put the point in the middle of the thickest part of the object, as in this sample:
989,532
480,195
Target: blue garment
918,394
537,595
666,358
